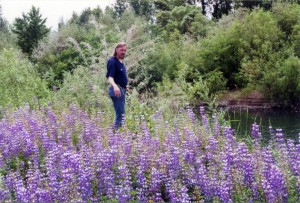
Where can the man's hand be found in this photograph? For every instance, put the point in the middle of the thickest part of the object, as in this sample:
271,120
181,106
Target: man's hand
117,91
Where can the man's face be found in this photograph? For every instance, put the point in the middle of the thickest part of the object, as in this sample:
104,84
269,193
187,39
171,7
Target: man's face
121,51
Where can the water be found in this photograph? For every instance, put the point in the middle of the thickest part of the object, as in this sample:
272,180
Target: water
242,119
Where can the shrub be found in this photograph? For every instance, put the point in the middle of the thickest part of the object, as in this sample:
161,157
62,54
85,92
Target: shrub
20,82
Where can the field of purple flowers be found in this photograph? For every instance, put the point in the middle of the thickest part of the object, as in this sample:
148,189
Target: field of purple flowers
70,155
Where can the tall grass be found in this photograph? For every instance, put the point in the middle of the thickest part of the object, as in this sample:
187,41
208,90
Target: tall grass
241,120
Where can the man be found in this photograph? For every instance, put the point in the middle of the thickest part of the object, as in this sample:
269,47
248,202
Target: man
117,78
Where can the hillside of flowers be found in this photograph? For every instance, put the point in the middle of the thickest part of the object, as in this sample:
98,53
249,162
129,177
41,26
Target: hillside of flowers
50,155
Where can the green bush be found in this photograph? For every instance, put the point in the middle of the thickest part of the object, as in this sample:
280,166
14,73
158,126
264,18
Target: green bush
287,16
86,86
7,41
296,40
159,61
20,82
288,82
215,81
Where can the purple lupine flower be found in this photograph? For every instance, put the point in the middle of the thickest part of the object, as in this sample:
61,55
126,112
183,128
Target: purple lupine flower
176,133
89,131
141,184
123,184
183,194
226,180
176,191
155,185
105,174
225,188
255,132
229,154
268,191
272,132
213,184
205,121
228,133
294,160
273,182
43,195
191,144
166,165
273,185
69,169
85,176
47,141
33,177
21,193
191,115
52,122
174,165
216,125
142,163
9,182
211,148
4,193
28,143
245,162
2,162
188,153
201,177
279,136
268,156
53,168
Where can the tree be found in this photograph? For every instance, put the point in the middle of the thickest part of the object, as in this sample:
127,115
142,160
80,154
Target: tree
3,22
119,7
184,19
143,8
30,29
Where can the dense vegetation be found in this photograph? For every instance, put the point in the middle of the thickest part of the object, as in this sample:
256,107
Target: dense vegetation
55,129
173,45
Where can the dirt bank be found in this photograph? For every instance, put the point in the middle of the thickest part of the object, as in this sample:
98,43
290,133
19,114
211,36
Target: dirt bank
237,98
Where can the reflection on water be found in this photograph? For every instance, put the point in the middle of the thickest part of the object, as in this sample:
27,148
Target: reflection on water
242,119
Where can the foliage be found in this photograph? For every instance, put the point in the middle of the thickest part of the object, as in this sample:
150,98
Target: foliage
244,49
3,22
261,34
30,29
7,41
52,66
296,40
143,8
75,45
185,19
286,83
120,7
160,61
172,95
84,86
222,53
20,82
287,16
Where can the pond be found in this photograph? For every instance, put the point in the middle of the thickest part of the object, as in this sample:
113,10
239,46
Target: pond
242,119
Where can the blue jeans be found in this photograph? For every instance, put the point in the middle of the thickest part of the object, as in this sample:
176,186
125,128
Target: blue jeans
119,105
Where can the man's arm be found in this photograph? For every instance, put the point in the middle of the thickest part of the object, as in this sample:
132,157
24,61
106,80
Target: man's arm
115,86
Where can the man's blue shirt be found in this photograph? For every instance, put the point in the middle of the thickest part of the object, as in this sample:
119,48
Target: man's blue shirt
117,70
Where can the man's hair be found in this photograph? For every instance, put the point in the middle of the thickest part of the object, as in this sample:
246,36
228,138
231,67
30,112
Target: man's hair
120,44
